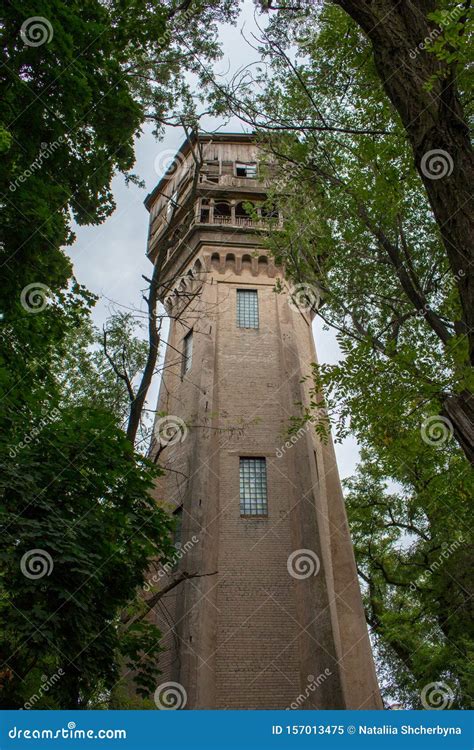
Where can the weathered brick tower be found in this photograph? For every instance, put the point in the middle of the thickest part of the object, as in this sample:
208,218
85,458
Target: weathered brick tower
272,617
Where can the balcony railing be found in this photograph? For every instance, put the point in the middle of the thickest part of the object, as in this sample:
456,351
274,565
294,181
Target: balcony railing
234,221
238,221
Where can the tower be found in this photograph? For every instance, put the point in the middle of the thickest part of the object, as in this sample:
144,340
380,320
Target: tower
270,613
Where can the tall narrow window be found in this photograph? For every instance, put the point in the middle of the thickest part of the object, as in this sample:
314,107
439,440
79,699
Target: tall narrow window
178,528
253,487
187,352
171,205
247,308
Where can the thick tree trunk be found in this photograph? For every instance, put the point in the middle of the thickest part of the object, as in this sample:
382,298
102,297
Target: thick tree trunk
433,121
459,410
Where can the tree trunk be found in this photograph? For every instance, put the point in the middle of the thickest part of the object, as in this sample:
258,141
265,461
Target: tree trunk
434,122
459,410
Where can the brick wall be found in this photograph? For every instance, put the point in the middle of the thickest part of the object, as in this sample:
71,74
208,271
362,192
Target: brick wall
246,634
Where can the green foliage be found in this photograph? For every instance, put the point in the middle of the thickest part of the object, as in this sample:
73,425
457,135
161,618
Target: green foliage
414,551
81,495
85,373
452,35
77,86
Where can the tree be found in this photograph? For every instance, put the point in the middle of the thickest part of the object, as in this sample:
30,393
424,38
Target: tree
79,529
360,230
413,547
75,503
423,82
79,81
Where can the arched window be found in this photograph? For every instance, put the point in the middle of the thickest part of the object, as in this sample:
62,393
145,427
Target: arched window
222,212
197,268
246,262
241,212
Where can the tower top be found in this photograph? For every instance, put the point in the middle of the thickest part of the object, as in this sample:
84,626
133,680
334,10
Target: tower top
211,194
185,149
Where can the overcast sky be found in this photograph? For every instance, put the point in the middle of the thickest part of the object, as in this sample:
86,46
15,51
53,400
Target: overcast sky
110,259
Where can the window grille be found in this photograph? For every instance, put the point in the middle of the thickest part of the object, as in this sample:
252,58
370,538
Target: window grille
247,308
253,487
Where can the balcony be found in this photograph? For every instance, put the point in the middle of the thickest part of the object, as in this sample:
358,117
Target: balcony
178,238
